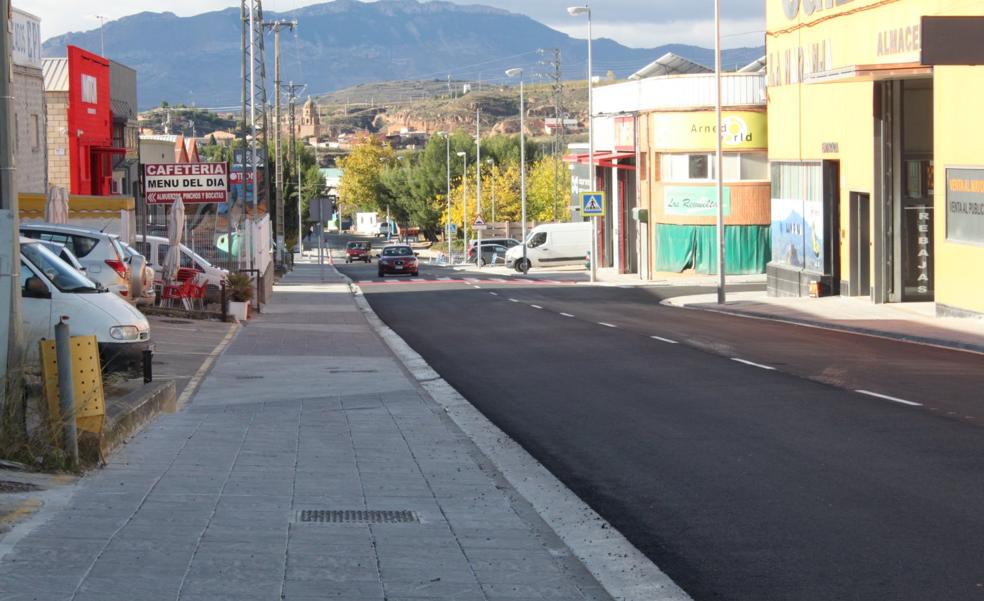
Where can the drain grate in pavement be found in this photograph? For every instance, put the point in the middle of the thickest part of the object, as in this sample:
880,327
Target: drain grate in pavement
353,371
182,322
345,516
11,486
249,377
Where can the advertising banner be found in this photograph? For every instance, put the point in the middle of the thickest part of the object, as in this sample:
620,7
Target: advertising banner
191,182
743,130
25,41
965,205
694,201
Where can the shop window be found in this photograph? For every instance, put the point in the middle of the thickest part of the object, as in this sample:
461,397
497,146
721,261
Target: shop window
699,166
36,121
737,166
754,166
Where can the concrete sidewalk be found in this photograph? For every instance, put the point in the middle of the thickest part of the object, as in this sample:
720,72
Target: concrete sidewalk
309,465
912,322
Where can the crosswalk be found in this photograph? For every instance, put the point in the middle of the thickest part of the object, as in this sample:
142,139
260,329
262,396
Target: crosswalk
470,280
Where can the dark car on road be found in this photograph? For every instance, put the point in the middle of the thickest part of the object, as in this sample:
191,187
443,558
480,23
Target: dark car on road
492,254
398,259
358,251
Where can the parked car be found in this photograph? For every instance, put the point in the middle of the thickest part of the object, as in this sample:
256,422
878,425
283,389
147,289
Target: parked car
358,251
385,229
552,244
155,249
141,276
100,253
492,254
51,288
398,259
507,242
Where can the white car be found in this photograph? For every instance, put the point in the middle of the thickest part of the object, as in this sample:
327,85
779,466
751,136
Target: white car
50,288
101,254
155,248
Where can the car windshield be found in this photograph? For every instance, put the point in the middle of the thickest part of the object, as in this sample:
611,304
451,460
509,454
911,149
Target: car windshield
397,251
60,273
358,245
198,258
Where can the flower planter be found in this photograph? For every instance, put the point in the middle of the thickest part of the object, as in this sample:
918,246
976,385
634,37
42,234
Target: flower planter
239,310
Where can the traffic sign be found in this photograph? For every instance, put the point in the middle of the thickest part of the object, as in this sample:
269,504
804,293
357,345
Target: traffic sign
479,225
593,204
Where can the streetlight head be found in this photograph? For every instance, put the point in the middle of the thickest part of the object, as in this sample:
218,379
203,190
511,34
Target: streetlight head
514,72
575,11
461,154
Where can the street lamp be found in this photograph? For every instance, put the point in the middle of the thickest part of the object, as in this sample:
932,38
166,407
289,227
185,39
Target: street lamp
491,163
576,11
720,175
464,202
525,265
447,226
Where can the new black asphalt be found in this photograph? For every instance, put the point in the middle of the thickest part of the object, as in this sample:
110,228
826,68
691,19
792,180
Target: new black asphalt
741,482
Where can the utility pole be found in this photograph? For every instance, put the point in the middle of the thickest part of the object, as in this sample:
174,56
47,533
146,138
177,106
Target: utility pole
478,185
558,87
10,321
291,151
276,26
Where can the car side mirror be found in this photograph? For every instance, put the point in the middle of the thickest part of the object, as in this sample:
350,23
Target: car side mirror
35,288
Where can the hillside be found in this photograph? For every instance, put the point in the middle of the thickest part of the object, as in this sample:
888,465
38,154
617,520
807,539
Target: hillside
195,60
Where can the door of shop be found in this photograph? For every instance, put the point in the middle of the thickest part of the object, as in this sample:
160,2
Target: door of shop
860,281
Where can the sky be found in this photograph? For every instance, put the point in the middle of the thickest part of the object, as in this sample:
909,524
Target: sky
635,23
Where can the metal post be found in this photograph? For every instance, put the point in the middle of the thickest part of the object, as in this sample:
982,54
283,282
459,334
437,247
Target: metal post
478,186
252,119
242,131
591,163
464,201
522,169
447,140
718,158
66,389
278,160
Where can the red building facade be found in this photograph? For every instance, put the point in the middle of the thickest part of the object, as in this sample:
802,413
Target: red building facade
90,124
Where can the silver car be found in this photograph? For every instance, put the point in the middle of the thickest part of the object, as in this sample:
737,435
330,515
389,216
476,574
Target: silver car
100,253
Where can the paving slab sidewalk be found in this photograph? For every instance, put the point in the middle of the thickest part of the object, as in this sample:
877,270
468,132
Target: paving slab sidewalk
913,322
307,413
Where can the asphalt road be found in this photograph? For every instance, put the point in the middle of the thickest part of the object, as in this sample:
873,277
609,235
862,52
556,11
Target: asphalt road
735,453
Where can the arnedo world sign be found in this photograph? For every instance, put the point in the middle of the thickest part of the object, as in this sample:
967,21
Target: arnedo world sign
191,182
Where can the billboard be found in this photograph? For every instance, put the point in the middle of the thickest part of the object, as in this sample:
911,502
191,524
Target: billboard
25,39
191,182
965,205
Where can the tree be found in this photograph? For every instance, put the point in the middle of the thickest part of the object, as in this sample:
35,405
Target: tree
361,187
542,190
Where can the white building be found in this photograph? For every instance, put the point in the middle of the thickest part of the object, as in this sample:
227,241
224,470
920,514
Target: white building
30,135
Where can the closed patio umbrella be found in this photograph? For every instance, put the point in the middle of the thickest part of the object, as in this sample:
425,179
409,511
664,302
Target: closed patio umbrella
56,206
175,229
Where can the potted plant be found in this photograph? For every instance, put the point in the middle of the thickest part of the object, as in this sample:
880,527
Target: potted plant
240,295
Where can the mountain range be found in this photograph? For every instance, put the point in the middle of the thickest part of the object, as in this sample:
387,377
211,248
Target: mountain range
196,60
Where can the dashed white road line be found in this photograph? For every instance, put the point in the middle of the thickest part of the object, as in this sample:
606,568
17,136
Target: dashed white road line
753,364
476,286
494,293
567,315
536,306
513,300
666,340
889,398
607,325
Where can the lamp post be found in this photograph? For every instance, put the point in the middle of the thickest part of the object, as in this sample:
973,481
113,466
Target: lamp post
464,202
525,265
478,186
491,164
575,11
718,158
447,225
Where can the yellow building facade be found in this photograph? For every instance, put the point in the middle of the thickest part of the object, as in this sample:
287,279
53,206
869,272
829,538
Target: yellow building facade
877,171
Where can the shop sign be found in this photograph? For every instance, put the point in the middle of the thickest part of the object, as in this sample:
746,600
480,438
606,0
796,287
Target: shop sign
809,7
741,130
965,205
191,182
694,201
25,39
917,260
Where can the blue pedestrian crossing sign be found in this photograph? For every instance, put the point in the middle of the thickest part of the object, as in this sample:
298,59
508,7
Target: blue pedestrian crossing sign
593,204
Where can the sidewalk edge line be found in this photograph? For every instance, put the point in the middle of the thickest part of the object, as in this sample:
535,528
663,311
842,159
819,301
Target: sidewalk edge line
618,566
806,323
196,380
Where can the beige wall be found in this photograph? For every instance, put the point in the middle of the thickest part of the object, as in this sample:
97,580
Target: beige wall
58,153
30,149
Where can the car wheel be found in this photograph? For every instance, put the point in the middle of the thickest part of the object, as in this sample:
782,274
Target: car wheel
416,273
380,274
523,266
483,262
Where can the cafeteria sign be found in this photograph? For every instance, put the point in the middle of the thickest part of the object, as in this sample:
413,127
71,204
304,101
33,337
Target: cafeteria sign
694,201
191,182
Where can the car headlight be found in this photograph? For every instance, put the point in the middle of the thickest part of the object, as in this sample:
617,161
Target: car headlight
124,332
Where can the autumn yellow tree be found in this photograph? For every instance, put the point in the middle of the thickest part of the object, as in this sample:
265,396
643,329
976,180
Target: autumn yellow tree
361,187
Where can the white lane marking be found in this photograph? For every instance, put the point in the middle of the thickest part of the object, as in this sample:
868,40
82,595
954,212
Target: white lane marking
494,293
536,306
666,340
753,364
889,398
498,280
476,286
444,279
567,315
607,325
513,300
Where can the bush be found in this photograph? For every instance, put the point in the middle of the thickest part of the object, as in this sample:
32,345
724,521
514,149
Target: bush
240,288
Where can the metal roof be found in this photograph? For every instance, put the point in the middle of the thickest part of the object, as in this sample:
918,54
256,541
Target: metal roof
55,72
755,66
669,64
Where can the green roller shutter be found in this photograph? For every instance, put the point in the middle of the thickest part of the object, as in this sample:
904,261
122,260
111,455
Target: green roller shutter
680,247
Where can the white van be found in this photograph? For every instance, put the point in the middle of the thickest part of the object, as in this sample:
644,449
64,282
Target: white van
51,288
155,249
552,244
